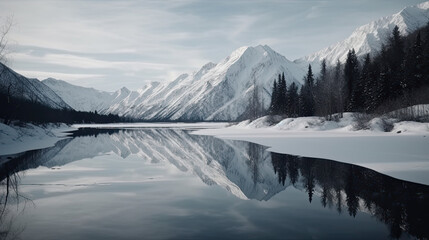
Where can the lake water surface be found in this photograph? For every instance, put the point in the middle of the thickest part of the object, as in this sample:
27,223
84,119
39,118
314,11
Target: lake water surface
165,183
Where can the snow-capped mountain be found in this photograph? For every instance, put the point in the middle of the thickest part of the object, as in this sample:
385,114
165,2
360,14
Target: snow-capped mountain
16,85
222,91
85,99
369,38
215,92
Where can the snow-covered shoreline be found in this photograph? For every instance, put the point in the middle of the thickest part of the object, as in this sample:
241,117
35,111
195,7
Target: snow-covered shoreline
20,137
402,153
196,125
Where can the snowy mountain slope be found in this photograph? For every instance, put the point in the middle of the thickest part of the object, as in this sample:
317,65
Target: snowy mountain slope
31,89
85,99
369,38
215,92
221,92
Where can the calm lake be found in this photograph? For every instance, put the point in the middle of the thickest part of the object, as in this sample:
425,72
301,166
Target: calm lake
165,183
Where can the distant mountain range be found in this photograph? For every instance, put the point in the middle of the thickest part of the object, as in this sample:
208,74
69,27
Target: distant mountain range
215,92
221,92
85,99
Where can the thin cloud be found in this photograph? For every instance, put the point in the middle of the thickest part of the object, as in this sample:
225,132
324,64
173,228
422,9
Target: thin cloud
129,42
57,75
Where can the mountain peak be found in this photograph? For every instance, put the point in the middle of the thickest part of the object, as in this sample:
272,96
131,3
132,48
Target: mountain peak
259,48
264,48
368,38
49,79
125,90
53,80
423,5
412,17
204,69
208,66
237,53
251,53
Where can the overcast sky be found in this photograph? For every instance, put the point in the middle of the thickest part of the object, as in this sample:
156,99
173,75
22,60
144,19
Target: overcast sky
109,44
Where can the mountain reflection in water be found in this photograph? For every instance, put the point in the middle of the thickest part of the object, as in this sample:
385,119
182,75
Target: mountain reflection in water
245,169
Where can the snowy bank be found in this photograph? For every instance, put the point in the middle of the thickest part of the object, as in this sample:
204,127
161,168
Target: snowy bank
21,137
402,152
350,122
196,125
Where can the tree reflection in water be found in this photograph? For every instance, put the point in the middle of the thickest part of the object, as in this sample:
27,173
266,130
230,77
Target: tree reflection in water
402,205
11,201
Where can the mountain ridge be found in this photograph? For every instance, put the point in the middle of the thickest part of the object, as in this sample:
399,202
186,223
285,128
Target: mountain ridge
15,85
369,37
82,98
215,91
221,91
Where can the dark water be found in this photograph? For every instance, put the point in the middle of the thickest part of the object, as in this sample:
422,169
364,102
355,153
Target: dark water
169,184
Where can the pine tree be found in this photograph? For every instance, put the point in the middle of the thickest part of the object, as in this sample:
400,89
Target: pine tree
293,100
282,94
338,88
279,94
322,92
396,60
419,58
425,55
383,86
301,101
414,66
351,75
307,94
310,77
371,88
357,102
278,97
273,105
396,44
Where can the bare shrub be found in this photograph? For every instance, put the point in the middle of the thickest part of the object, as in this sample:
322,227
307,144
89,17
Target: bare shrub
361,121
